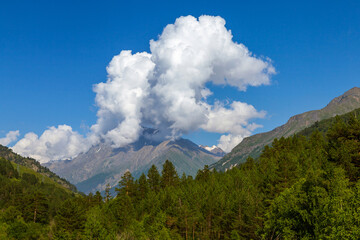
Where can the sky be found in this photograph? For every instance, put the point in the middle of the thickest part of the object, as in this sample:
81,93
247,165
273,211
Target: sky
63,83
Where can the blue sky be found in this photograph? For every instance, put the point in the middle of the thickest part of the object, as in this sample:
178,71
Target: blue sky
52,53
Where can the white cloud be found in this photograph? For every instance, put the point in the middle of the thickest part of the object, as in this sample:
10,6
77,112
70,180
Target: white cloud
234,119
56,143
9,138
229,141
190,53
166,89
122,97
171,92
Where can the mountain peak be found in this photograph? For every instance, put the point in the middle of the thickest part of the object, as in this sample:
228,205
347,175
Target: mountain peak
350,96
214,150
103,164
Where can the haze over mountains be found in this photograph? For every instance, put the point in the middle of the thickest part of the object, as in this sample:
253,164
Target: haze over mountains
253,145
103,164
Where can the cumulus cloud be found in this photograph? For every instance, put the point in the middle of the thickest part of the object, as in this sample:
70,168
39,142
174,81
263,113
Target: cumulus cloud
229,141
56,143
9,138
166,89
171,88
121,98
234,120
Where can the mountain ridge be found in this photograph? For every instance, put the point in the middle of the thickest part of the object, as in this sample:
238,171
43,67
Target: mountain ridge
252,146
214,150
102,164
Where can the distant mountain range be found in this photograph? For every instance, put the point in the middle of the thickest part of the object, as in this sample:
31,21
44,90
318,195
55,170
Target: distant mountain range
103,164
214,150
253,145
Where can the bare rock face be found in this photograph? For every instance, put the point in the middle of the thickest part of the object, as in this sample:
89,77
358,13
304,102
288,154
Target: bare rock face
102,164
253,145
214,150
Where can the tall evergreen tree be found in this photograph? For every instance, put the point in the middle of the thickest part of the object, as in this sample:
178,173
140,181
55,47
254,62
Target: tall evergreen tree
154,178
169,176
70,217
107,193
36,207
143,187
126,185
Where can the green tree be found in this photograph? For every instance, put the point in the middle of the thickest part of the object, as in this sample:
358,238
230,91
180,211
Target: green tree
344,145
312,209
7,169
122,210
154,178
203,174
126,185
29,178
169,176
36,207
94,227
71,216
107,193
143,187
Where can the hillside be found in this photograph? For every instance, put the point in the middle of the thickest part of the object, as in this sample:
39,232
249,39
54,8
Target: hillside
252,146
305,186
103,165
29,201
31,163
301,187
324,125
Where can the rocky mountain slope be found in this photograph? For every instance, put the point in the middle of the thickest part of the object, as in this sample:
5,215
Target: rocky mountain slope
214,150
103,164
253,145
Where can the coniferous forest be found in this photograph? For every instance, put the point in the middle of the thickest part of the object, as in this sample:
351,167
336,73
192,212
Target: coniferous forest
302,187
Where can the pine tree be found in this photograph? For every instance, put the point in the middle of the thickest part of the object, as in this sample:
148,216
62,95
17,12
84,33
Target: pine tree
7,169
94,228
36,207
143,187
169,175
126,185
154,178
203,175
70,216
107,193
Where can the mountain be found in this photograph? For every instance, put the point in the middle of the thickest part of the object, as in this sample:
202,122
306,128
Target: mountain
253,145
103,164
214,150
34,165
324,125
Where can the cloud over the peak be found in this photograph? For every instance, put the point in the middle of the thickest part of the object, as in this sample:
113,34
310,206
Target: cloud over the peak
166,89
9,138
170,88
121,98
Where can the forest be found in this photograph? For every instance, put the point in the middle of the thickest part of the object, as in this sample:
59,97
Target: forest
302,187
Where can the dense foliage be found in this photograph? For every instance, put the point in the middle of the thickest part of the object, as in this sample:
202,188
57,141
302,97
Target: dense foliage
31,163
29,202
302,187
